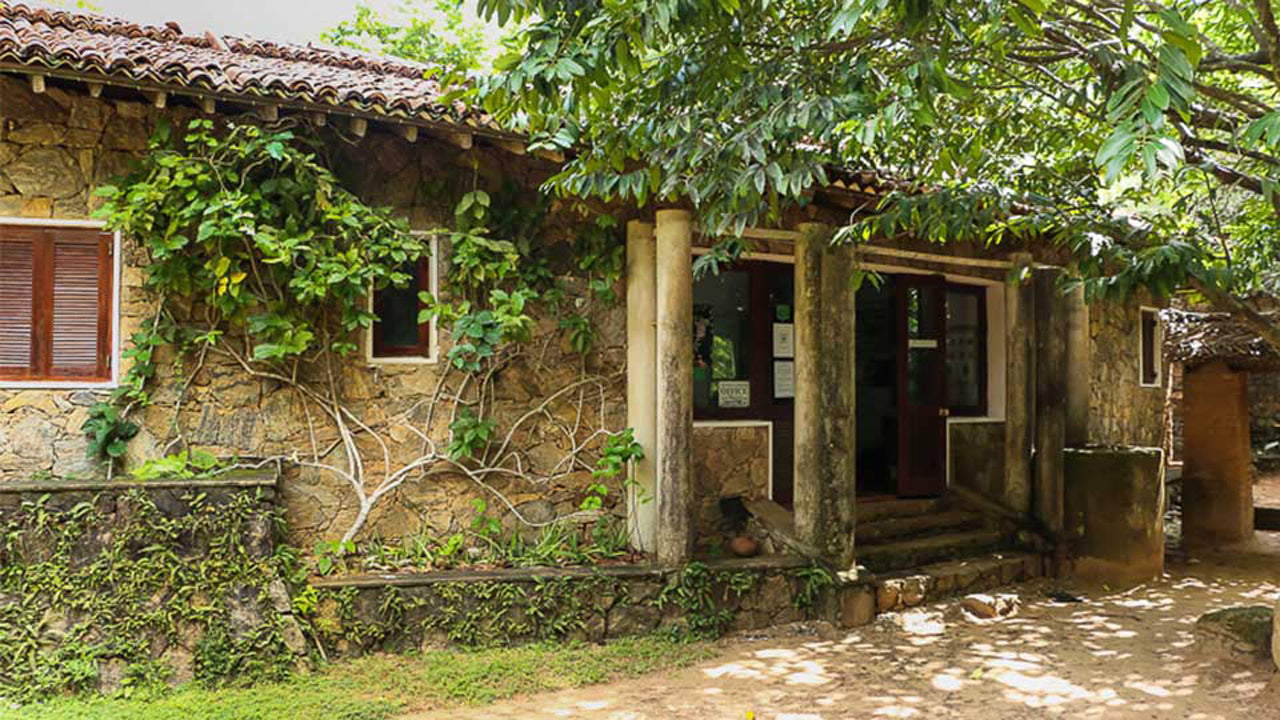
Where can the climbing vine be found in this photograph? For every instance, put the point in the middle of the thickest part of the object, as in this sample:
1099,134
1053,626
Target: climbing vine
258,258
119,581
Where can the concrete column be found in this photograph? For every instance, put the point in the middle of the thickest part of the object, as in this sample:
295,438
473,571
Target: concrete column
1079,370
1051,340
825,432
809,454
838,378
1019,332
1217,471
674,265
642,382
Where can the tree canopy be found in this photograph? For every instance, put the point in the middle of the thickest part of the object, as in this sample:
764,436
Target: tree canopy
1141,134
434,32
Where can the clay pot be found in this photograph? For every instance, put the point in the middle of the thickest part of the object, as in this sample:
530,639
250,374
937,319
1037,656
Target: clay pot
744,546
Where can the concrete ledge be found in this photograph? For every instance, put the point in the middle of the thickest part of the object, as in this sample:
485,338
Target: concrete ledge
233,479
534,574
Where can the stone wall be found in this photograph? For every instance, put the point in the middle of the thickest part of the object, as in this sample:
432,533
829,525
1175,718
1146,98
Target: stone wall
1121,411
356,615
977,457
56,146
155,582
728,461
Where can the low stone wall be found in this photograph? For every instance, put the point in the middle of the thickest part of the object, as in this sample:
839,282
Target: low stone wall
728,461
358,614
1115,513
112,585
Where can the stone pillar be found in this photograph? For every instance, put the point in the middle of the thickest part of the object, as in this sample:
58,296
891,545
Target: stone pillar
808,398
1051,399
1217,471
1019,333
1079,370
825,437
642,381
674,266
838,378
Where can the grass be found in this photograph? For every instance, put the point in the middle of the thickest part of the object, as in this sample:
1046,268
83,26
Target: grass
382,686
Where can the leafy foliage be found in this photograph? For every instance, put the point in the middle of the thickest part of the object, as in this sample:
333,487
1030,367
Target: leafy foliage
432,32
249,226
1142,136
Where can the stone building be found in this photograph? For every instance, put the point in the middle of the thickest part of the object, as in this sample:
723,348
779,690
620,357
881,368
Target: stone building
936,406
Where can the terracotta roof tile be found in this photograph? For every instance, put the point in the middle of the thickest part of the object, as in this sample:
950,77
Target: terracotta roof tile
230,65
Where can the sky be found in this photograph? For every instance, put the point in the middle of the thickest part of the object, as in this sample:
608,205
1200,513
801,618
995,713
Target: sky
281,20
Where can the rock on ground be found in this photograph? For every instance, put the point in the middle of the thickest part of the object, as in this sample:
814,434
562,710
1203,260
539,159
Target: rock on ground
1240,633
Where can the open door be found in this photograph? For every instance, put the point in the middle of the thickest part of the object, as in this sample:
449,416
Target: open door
922,385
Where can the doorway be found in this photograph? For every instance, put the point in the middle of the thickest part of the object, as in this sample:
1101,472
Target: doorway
744,355
921,358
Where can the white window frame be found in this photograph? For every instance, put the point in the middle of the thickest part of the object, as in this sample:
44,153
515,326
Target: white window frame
433,282
115,311
1157,353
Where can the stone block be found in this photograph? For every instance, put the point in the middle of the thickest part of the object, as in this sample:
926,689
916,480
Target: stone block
46,171
857,605
1115,513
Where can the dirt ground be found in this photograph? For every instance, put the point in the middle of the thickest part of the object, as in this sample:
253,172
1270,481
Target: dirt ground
1116,655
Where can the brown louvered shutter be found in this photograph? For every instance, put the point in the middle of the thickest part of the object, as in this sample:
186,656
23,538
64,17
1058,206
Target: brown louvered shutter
16,277
62,276
80,330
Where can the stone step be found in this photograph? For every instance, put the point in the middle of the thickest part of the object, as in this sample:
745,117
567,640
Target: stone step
888,529
874,510
918,552
901,590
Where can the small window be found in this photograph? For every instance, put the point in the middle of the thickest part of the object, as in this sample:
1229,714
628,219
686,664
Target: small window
967,350
397,336
56,301
1151,342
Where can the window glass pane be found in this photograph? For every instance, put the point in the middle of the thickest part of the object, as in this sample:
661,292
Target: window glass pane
1150,366
965,346
721,334
398,312
922,312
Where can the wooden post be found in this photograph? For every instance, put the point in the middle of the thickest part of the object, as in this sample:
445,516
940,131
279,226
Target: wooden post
1019,331
809,441
674,265
642,379
1051,399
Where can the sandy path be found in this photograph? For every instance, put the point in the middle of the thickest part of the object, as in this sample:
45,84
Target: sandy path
1119,655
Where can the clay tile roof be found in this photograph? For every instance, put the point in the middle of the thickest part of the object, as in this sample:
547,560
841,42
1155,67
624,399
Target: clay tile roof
1198,338
237,66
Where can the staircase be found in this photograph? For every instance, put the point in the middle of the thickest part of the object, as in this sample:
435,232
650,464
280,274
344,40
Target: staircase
921,550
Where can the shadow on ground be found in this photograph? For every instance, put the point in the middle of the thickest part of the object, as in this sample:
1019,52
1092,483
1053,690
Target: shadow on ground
1116,655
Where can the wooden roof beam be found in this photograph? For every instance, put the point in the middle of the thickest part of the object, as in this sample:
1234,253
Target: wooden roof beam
37,83
461,140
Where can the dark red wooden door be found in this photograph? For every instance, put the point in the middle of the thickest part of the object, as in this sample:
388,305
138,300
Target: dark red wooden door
922,385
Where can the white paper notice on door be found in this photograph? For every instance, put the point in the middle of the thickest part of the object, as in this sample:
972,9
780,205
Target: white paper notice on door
784,340
784,379
734,393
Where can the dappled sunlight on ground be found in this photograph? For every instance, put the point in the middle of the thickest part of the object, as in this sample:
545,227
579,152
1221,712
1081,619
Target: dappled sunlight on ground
1117,655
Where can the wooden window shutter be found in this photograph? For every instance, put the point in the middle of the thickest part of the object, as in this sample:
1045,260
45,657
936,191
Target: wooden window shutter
55,303
81,330
16,317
